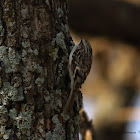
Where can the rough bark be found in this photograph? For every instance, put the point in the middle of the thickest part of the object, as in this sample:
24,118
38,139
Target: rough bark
34,81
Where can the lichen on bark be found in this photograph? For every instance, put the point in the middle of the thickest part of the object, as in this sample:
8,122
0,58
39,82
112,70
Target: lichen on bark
34,84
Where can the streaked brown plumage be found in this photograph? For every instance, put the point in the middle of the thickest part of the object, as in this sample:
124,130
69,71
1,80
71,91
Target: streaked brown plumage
80,60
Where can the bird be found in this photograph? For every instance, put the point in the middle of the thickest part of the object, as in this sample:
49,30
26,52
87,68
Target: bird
80,61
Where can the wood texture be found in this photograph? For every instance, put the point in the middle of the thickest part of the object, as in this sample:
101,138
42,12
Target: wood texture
34,82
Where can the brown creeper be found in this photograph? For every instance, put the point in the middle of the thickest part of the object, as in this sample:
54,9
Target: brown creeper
80,60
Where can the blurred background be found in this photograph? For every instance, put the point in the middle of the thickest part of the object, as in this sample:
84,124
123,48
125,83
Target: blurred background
111,92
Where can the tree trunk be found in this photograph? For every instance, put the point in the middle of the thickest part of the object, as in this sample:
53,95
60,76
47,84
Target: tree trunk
34,81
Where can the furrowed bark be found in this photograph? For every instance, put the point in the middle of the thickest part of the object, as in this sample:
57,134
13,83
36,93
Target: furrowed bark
34,82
